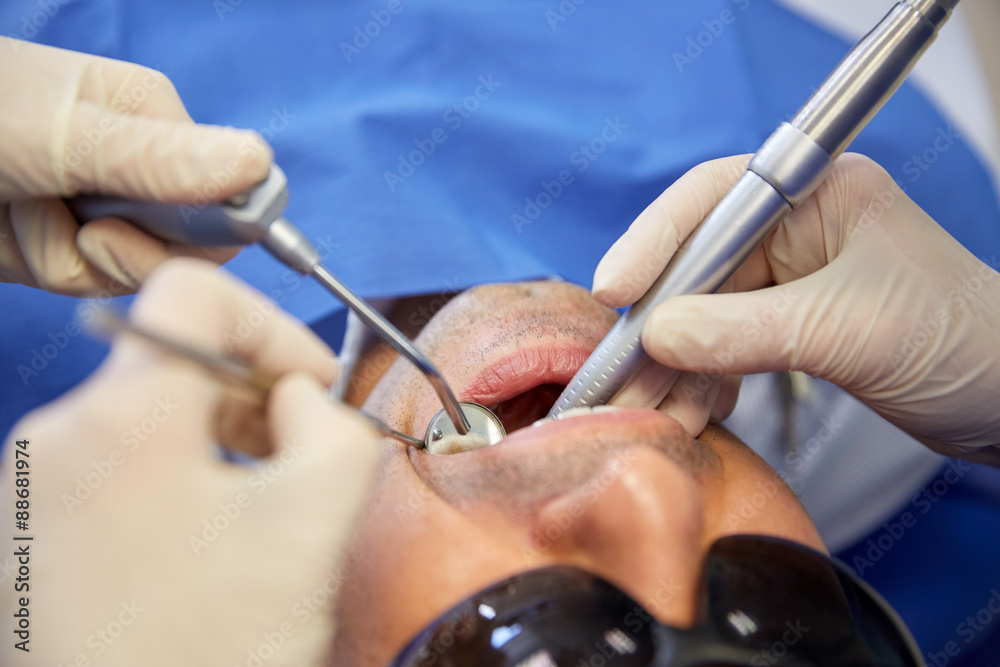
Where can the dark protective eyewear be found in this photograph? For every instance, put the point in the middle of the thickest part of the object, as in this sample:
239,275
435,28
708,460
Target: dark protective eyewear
763,601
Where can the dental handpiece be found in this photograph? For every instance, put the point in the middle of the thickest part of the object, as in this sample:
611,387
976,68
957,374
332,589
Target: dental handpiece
782,174
256,216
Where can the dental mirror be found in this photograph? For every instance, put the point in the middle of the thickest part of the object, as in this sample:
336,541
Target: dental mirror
485,429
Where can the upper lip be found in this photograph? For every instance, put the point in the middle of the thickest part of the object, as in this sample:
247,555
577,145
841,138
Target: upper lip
526,368
512,367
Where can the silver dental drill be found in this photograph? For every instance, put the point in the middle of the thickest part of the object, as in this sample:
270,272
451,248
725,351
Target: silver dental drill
782,174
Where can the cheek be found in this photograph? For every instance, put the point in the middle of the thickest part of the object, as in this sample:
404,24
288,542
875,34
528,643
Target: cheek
764,505
392,398
753,499
412,558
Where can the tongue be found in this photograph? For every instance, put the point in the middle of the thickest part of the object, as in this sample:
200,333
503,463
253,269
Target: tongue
527,408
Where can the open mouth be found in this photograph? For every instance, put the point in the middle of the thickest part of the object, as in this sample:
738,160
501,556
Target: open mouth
526,408
523,386
514,413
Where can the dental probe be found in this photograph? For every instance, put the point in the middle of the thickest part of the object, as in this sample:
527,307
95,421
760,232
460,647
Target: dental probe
256,216
782,174
227,367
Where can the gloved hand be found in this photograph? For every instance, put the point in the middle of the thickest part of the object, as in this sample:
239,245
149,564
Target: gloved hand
857,286
73,123
148,548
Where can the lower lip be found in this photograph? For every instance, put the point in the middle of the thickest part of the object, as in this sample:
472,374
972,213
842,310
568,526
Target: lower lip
584,424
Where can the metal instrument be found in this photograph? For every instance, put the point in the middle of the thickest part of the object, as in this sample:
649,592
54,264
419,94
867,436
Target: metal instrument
782,174
483,423
230,368
256,216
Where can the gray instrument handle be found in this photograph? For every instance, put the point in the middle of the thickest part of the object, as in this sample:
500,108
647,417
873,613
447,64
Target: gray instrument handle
783,173
242,220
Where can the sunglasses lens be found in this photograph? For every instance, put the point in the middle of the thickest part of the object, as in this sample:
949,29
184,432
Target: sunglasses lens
547,617
790,603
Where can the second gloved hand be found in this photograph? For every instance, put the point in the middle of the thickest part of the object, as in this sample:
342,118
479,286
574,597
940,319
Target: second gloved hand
149,549
74,123
857,286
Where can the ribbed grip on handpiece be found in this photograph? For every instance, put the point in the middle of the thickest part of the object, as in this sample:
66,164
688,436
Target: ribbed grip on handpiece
734,228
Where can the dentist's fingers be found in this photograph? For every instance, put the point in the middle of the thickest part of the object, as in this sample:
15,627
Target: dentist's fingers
160,159
725,403
192,301
635,261
122,249
334,450
857,191
691,400
44,235
725,333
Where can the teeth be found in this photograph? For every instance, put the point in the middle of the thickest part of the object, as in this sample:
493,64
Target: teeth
578,412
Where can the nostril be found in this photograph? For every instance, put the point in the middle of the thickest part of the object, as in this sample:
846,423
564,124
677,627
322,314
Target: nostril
527,408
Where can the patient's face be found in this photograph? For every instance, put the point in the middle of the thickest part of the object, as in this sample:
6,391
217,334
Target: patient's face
626,494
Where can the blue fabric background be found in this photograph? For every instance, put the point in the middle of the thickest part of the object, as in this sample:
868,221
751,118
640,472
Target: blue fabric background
339,122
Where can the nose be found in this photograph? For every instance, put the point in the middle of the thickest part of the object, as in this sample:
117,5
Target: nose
640,524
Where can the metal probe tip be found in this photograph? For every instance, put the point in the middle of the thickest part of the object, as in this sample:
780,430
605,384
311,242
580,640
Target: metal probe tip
395,339
290,246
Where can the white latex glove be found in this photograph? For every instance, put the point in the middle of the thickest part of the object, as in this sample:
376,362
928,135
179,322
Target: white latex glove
73,123
148,548
857,286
